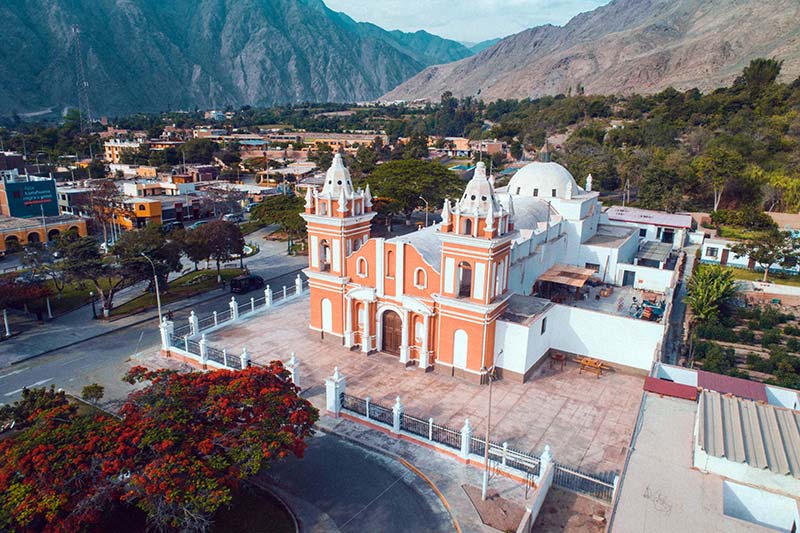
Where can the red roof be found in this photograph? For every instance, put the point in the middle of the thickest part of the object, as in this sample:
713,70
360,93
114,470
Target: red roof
742,388
670,388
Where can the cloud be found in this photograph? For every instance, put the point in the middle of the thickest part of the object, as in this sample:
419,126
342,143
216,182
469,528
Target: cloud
464,20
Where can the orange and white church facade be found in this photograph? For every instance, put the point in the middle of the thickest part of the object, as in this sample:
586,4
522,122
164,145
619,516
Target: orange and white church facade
449,297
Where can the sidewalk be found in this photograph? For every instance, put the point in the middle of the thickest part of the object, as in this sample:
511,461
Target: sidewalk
78,326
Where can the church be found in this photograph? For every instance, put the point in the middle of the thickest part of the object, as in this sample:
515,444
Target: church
509,276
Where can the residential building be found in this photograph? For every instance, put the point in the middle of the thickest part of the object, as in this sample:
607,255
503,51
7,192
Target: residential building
114,148
668,228
725,458
74,200
25,196
12,161
509,276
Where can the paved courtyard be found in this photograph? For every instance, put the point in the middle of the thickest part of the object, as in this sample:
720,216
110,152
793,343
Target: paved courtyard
586,421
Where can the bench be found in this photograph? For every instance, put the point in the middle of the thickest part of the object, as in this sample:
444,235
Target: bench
591,365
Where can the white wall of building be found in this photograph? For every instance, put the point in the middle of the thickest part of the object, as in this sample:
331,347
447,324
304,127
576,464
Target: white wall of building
647,278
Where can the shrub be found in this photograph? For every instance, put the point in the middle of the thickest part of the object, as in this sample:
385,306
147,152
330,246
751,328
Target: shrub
791,330
715,358
793,345
715,330
753,325
746,336
770,337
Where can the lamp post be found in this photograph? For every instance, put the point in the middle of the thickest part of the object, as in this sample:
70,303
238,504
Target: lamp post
485,484
155,279
426,210
94,310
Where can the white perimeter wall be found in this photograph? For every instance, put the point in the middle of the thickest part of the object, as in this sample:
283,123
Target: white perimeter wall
647,278
615,339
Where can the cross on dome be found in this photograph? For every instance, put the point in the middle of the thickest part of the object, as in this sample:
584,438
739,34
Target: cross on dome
338,180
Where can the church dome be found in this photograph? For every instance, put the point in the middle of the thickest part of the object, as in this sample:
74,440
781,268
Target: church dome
541,178
479,194
337,179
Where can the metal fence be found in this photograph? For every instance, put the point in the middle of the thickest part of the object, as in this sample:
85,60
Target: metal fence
600,487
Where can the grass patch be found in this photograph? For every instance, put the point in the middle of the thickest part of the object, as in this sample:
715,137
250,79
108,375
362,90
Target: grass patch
251,226
74,295
776,278
739,234
186,286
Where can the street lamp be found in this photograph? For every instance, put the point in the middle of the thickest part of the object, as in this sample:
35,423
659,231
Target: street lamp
155,279
94,310
426,210
485,484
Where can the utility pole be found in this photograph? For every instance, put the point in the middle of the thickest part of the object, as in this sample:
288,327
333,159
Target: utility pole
485,484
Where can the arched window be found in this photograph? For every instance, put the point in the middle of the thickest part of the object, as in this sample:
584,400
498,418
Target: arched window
390,264
420,278
468,226
362,268
460,347
356,244
356,208
324,255
323,208
500,279
464,280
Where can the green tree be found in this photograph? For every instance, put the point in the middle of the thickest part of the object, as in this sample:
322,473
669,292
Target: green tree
199,151
405,181
708,290
759,74
776,247
224,240
718,167
153,243
93,393
283,211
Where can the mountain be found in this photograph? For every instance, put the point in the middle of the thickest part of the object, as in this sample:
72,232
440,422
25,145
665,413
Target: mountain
476,48
152,55
626,46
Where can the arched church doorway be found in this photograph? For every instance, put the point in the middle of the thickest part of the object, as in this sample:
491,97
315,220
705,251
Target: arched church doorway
392,332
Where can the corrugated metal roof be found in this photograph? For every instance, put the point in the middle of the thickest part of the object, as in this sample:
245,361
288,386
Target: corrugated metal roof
760,435
744,388
670,388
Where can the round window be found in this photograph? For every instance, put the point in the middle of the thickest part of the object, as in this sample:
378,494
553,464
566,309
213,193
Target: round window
339,182
483,198
473,197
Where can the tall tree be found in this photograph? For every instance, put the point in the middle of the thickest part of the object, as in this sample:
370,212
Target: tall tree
718,167
709,288
224,240
774,248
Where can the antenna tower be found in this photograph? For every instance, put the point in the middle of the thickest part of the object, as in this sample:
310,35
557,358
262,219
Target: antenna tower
83,84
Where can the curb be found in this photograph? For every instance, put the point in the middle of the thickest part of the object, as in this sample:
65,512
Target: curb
120,328
333,433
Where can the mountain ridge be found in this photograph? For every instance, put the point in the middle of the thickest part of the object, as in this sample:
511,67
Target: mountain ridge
148,55
624,47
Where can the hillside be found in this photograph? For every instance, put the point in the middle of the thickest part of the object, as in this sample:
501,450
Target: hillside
149,55
626,46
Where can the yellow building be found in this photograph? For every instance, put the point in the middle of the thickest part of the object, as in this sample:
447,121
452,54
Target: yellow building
17,232
113,149
139,212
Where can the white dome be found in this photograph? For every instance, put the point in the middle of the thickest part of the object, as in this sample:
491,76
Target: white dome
337,179
479,194
541,179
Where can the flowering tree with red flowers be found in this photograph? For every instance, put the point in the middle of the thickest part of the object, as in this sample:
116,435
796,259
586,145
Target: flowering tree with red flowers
180,448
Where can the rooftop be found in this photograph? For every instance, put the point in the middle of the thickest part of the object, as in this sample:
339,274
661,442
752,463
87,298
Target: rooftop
755,433
654,251
13,223
521,309
609,236
680,497
644,216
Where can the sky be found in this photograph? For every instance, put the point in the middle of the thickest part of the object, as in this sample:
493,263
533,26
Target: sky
463,20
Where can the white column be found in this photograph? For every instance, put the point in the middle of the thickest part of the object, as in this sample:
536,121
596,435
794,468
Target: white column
267,296
244,359
348,322
234,308
424,361
298,285
194,324
466,438
334,388
203,349
167,330
293,366
397,415
5,323
404,343
366,342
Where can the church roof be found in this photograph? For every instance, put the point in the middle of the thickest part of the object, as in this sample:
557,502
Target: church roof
541,178
427,242
479,196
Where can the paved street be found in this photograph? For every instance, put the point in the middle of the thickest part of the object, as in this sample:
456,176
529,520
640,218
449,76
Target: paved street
338,484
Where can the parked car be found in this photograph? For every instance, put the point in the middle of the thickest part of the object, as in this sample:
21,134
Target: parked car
198,224
169,227
249,207
246,283
236,218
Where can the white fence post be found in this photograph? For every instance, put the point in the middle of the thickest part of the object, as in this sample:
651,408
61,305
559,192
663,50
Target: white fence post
194,323
252,304
367,402
298,285
293,366
466,439
545,463
614,491
245,358
203,349
335,386
167,328
267,296
234,308
284,292
225,357
186,343
216,322
505,453
430,429
397,415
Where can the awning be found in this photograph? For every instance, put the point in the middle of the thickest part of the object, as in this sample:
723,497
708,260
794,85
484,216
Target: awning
567,275
654,251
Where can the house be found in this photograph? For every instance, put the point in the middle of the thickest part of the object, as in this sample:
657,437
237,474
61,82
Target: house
727,457
668,228
507,278
720,252
114,148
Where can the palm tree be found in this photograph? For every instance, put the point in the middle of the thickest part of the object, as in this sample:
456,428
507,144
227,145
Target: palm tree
709,288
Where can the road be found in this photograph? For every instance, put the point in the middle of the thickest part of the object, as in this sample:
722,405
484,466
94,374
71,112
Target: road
357,490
